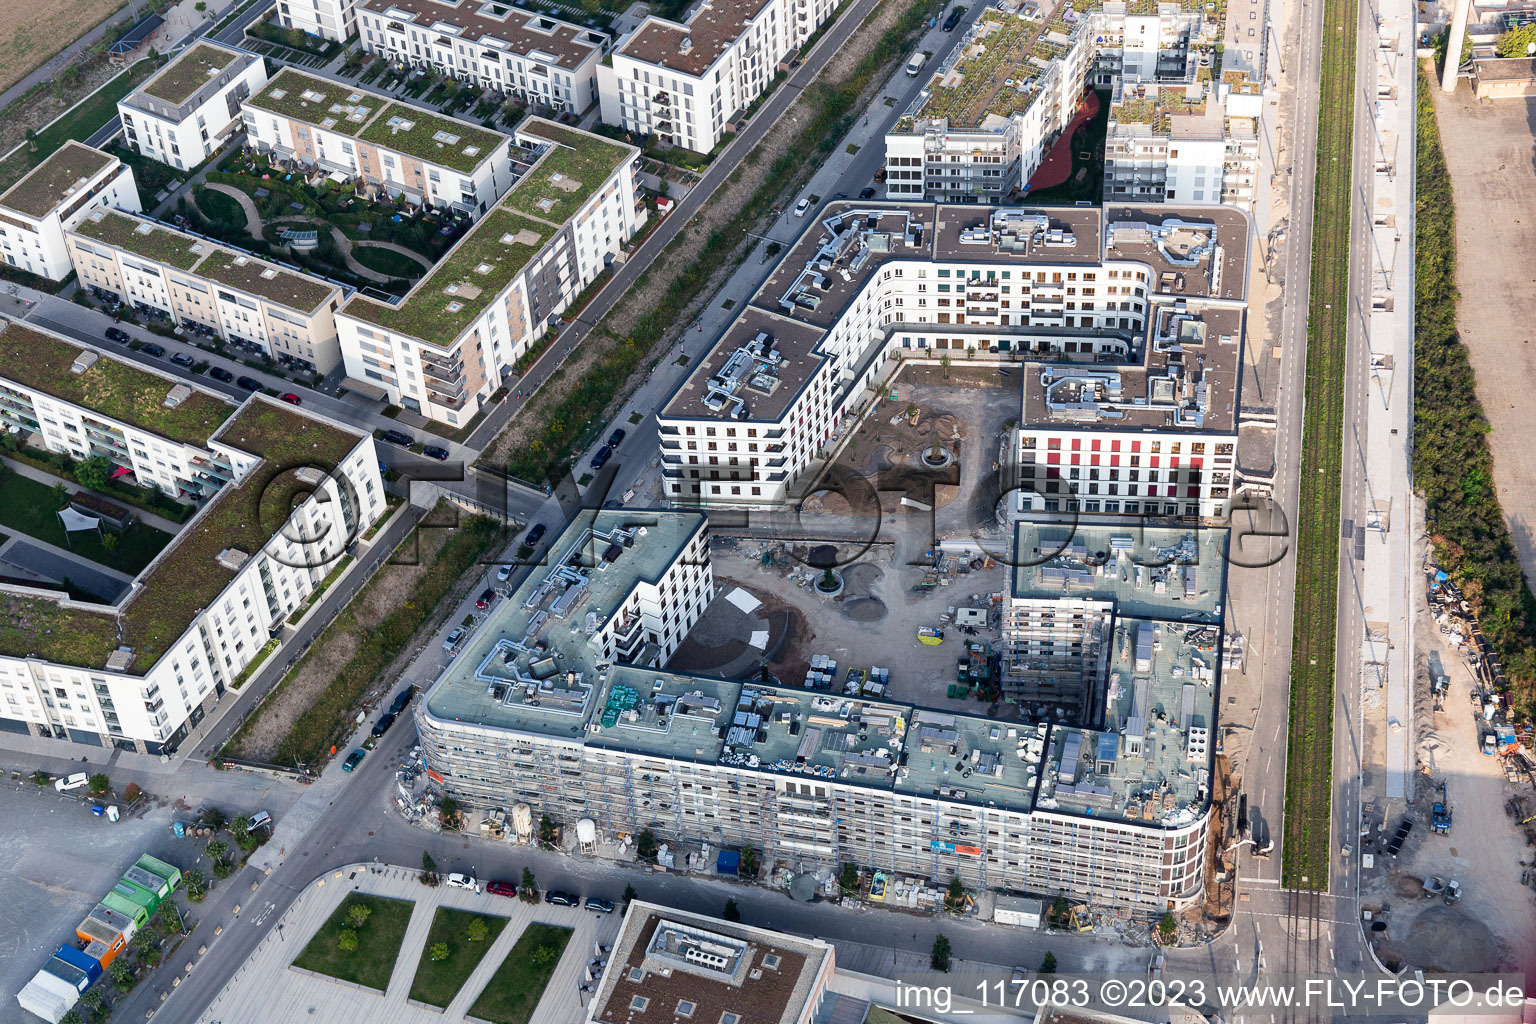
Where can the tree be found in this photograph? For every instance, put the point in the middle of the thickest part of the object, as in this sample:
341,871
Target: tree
944,364
1443,42
1048,963
347,940
529,890
630,895
216,850
1518,42
448,812
109,541
201,7
938,959
60,494
99,784
828,579
645,846
72,1017
214,818
428,876
94,999
1060,910
849,880
358,915
121,974
954,899
542,955
749,863
477,930
132,792
546,832
240,827
149,956
195,884
95,472
1167,929
439,951
731,912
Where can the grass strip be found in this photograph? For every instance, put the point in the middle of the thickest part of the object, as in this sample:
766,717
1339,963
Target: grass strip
1451,461
513,992
30,507
378,942
1309,764
438,981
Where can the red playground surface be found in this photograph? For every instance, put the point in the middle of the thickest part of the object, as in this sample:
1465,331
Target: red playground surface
1056,168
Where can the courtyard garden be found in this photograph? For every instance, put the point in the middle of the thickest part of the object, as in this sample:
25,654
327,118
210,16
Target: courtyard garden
30,507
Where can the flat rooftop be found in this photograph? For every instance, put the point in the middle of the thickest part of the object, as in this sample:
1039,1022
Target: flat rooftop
1144,571
48,185
447,141
258,277
1199,251
1151,762
334,106
693,46
760,976
994,74
763,376
197,65
110,387
498,25
472,274
144,238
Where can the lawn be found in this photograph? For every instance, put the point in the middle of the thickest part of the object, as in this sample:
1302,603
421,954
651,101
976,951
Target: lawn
29,507
438,981
387,261
378,942
79,123
217,206
514,990
150,176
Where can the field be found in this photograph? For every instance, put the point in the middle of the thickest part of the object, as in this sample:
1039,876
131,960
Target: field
31,33
378,942
1309,766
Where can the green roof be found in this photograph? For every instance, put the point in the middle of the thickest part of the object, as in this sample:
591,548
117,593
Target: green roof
53,181
256,277
182,77
446,141
156,243
568,175
242,517
110,387
38,626
478,268
334,106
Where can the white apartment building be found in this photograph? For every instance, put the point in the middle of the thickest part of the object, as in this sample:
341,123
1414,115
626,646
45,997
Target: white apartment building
1144,305
689,82
393,148
188,109
461,331
550,705
986,120
1183,144
255,305
37,210
335,20
492,44
138,674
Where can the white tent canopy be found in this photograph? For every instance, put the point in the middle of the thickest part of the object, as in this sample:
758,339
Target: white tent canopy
73,520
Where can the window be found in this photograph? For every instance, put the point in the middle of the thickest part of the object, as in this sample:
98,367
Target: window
685,1008
730,1018
771,961
639,1003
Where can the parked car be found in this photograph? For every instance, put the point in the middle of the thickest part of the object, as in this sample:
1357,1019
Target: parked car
803,205
353,760
398,437
485,598
152,350
432,451
181,359
219,373
866,193
70,782
504,573
501,888
452,639
118,335
599,906
261,820
382,725
249,383
291,398
561,898
458,881
603,455
615,437
402,700
535,534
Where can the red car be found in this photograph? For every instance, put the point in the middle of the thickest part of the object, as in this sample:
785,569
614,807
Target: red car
485,599
291,398
501,888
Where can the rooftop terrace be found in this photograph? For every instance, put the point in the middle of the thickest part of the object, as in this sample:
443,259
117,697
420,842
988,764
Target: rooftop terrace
995,72
492,22
180,80
110,387
1199,251
1144,571
56,179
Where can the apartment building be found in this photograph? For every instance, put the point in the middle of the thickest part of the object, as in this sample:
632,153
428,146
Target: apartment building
255,305
394,149
689,82
1063,291
543,707
188,109
1178,144
55,196
138,674
986,120
464,329
335,20
492,44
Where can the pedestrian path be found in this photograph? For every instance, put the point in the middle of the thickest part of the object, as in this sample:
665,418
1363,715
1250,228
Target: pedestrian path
247,206
44,477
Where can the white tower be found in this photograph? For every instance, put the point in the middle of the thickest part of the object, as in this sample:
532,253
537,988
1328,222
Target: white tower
1453,45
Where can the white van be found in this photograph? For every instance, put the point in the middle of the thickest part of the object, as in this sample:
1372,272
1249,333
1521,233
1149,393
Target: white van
916,63
68,783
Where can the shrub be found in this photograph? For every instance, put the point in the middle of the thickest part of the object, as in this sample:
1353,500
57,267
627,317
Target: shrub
439,951
346,941
358,914
938,958
99,784
477,930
